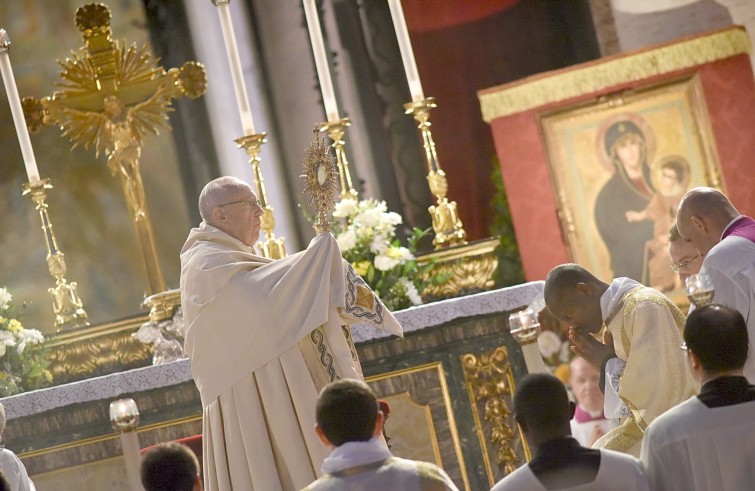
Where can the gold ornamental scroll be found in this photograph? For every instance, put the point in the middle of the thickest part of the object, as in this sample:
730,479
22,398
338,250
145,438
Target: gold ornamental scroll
112,98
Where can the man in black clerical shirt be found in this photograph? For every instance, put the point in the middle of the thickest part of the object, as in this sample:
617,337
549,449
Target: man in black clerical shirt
543,412
708,441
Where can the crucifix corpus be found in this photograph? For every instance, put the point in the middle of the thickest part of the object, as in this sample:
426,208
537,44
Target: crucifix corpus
112,98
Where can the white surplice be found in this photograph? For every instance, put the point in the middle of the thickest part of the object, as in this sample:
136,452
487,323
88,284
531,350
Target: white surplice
646,328
264,336
731,267
694,447
617,472
14,471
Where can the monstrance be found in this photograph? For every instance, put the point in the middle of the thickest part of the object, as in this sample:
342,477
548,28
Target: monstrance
320,182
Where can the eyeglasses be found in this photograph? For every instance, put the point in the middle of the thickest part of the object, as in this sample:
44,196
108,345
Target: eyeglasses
251,202
677,267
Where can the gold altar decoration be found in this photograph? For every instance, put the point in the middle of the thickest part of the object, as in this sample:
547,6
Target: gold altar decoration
336,130
271,247
490,385
469,267
447,225
539,90
98,350
320,182
67,306
112,98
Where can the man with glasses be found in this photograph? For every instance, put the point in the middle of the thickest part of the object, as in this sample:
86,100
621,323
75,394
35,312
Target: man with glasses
685,260
726,240
263,337
708,441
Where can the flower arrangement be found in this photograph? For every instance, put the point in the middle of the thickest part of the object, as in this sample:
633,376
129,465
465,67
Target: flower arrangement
23,361
366,235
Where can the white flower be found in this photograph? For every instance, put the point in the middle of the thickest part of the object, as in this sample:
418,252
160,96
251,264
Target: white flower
549,343
411,291
368,218
347,240
384,262
5,298
379,244
345,208
6,339
392,218
28,336
401,253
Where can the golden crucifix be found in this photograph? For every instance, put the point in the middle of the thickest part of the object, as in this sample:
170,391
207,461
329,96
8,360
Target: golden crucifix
112,98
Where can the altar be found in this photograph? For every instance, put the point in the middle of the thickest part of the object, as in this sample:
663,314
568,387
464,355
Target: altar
449,383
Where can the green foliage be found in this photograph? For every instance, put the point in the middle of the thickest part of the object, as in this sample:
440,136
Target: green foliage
24,364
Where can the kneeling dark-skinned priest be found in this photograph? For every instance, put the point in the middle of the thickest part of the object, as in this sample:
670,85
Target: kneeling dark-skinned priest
264,337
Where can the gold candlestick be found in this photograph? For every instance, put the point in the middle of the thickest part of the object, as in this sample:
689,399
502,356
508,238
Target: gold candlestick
446,222
112,99
68,308
271,247
336,131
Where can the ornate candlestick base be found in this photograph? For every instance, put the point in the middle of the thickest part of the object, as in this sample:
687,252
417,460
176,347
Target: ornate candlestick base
271,247
447,225
68,308
470,268
336,130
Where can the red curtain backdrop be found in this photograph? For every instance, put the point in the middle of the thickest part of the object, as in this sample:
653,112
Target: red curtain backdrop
463,47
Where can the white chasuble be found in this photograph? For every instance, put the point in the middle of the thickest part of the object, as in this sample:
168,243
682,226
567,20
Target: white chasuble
646,330
264,336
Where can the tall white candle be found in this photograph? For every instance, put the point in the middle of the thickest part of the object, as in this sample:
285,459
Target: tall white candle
15,107
321,60
237,75
407,54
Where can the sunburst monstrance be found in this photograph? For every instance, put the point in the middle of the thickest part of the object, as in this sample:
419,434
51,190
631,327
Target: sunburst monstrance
321,182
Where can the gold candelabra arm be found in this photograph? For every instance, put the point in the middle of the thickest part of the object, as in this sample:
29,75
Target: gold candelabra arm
336,131
67,306
271,247
447,225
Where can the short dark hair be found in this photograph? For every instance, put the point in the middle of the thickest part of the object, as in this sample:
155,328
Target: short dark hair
677,167
564,278
169,467
540,401
4,484
718,336
346,411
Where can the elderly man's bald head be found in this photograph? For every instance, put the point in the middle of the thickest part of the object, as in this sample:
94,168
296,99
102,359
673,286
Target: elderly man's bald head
216,193
702,216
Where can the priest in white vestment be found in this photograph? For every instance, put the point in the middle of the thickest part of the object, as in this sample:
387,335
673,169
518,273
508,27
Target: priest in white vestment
263,337
558,461
708,441
642,329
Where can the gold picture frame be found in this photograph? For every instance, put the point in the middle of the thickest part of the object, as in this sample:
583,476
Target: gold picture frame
619,166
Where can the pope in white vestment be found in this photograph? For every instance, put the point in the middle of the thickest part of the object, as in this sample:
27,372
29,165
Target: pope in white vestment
263,337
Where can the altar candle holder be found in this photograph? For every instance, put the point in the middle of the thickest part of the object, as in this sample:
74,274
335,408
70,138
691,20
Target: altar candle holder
67,306
336,131
700,289
447,225
525,327
124,416
271,247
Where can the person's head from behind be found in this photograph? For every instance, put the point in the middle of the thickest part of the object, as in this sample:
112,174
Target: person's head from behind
702,216
542,409
685,260
584,381
717,342
170,467
4,484
347,411
572,295
230,204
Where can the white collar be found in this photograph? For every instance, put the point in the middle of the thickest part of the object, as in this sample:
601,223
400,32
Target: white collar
728,226
610,301
352,454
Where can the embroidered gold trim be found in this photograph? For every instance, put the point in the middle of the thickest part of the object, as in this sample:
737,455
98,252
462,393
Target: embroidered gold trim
522,96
